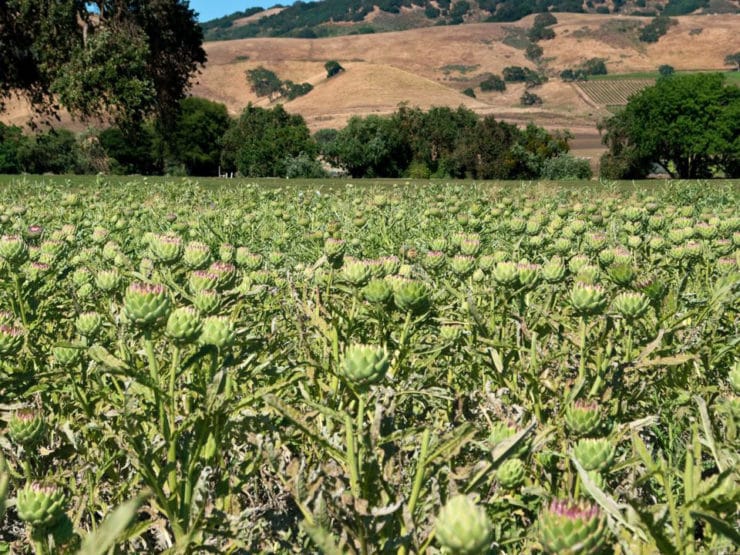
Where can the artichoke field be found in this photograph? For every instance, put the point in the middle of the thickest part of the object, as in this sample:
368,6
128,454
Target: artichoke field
463,369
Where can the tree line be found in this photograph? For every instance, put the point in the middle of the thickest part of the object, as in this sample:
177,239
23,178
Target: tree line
203,140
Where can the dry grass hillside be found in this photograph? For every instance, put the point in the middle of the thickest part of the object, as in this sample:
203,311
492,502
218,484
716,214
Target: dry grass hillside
432,66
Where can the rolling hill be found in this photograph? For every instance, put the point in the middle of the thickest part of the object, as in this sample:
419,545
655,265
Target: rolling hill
341,17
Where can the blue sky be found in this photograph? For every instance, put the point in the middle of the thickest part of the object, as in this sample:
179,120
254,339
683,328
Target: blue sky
211,9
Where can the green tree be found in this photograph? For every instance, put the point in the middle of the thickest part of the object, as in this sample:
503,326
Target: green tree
54,151
264,82
332,68
131,150
534,52
261,142
11,140
195,140
373,146
434,136
566,166
110,58
666,71
689,124
493,83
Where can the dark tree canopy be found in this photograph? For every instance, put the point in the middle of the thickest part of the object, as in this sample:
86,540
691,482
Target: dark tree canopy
689,124
261,143
115,58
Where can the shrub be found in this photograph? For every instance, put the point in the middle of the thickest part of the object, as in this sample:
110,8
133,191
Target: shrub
538,33
514,74
303,166
493,83
469,92
544,19
530,99
656,29
595,66
332,68
566,166
534,52
665,70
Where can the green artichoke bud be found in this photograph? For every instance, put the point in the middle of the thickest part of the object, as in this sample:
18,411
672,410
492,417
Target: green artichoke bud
462,527
226,273
391,265
412,296
587,299
53,248
334,251
207,301
734,376
11,340
196,255
66,357
364,365
88,324
202,279
434,260
146,303
621,274
505,274
461,265
553,271
631,305
36,270
470,245
529,274
248,260
594,242
450,334
511,473
577,262
276,258
705,230
217,331
562,245
583,418
26,427
355,272
594,454
486,262
40,505
99,235
166,248
111,250
570,528
226,252
108,280
81,276
377,291
694,250
184,324
13,250
517,225
438,244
